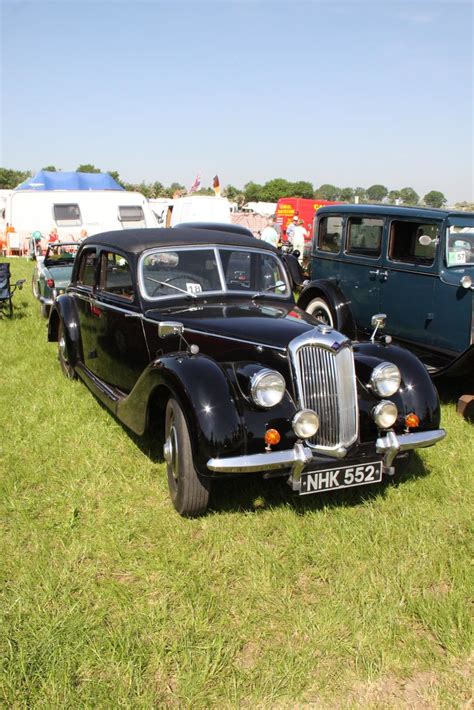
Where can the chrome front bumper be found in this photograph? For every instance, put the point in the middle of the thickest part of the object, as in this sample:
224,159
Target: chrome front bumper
300,455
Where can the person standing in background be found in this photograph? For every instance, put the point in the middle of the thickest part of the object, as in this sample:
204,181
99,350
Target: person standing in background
299,239
270,234
290,230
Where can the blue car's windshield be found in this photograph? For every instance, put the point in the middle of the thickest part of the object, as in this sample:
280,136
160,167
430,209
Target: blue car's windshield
460,244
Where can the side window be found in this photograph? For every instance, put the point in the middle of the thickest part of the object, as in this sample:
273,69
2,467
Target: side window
131,216
86,273
405,243
67,214
330,234
116,276
364,236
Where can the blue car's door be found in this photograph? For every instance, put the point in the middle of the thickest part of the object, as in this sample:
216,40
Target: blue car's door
360,266
409,274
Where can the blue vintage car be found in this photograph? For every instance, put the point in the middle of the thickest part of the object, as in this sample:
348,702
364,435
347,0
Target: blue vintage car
416,265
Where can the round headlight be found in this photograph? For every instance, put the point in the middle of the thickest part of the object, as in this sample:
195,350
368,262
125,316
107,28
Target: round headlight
305,423
385,379
267,388
385,414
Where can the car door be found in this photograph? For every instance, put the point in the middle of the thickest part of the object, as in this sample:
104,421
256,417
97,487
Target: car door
121,348
360,266
83,293
408,278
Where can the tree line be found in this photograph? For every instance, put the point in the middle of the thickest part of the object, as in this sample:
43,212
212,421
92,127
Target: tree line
270,191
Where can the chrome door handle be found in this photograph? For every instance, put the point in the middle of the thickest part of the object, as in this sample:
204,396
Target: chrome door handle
384,275
374,272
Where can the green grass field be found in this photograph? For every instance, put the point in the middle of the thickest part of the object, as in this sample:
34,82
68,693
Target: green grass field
110,599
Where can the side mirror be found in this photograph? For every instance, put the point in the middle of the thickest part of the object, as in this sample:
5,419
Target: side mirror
169,328
378,320
425,240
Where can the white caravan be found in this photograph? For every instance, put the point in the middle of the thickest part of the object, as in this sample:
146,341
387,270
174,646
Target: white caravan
194,208
74,213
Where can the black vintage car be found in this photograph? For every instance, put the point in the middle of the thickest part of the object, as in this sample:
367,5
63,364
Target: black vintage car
199,327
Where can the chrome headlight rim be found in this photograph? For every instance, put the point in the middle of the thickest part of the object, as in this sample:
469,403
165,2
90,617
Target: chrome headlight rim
380,410
296,423
257,392
383,383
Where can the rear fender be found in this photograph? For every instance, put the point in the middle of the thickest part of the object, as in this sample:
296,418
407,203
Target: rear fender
64,309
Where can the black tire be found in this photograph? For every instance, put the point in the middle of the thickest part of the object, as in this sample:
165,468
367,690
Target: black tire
63,357
189,492
322,311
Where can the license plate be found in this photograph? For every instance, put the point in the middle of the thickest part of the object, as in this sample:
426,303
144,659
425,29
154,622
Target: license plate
330,479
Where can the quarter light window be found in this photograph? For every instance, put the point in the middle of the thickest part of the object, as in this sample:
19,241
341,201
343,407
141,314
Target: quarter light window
116,277
330,234
86,276
405,245
67,214
364,236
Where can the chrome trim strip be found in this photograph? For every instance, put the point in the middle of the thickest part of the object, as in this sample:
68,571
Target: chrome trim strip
297,457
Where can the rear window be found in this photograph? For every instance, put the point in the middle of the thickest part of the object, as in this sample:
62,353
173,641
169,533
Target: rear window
364,236
330,234
67,214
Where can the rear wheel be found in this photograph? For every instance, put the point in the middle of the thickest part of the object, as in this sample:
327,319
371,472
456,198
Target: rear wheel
189,492
63,357
322,311
34,284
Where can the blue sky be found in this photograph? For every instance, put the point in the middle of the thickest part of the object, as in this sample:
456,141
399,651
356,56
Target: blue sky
349,93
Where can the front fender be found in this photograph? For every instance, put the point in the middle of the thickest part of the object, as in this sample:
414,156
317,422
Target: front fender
334,296
64,309
416,394
206,397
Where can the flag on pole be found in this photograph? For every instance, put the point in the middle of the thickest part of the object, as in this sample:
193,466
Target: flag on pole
216,186
196,184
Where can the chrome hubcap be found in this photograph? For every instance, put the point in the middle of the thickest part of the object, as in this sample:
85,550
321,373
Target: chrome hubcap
170,452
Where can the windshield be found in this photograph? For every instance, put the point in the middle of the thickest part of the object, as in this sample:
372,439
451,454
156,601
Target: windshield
460,245
60,254
193,271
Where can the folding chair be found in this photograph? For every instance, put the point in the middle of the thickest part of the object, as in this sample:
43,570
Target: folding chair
6,292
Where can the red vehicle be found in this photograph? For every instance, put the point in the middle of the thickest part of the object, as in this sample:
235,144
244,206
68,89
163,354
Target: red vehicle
289,207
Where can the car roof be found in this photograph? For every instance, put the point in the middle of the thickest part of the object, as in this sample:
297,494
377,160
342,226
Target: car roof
397,210
136,241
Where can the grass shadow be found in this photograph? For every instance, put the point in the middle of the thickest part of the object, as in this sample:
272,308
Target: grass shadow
248,494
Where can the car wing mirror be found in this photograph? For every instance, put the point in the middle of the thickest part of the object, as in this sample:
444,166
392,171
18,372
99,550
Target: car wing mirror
378,322
426,241
169,328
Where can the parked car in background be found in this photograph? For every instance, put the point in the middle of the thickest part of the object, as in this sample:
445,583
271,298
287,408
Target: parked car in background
52,273
195,333
415,265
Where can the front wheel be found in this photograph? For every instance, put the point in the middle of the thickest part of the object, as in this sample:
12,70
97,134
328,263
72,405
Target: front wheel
322,311
34,284
189,492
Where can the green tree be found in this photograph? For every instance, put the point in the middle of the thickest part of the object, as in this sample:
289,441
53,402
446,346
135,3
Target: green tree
158,189
252,192
408,196
376,193
175,190
327,192
87,168
302,188
434,198
50,169
393,196
360,193
9,179
276,188
347,194
205,191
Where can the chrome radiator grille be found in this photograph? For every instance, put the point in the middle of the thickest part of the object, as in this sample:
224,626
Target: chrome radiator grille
326,383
